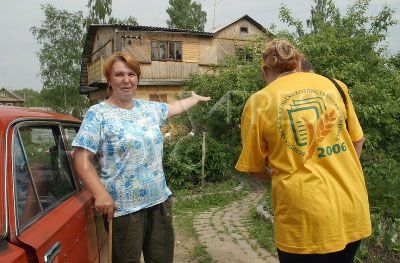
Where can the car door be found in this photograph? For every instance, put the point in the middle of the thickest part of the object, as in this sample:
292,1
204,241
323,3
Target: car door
50,216
70,131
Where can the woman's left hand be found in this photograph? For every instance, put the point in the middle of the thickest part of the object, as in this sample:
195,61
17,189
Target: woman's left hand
180,106
200,98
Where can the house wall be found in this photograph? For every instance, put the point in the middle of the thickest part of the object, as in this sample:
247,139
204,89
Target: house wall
232,31
139,46
166,94
8,99
199,53
104,43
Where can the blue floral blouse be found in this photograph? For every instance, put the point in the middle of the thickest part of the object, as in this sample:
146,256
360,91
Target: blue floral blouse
130,147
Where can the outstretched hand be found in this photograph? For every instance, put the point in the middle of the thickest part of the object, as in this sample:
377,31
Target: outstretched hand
200,98
180,106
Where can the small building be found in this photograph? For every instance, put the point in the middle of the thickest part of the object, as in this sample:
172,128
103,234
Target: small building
10,98
167,56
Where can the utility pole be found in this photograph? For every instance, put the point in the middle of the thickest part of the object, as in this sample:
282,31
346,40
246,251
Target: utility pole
215,4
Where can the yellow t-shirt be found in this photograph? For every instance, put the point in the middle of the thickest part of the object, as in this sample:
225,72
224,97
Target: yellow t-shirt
297,126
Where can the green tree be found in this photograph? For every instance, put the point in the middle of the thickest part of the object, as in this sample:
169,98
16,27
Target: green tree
99,10
60,35
130,20
32,97
185,14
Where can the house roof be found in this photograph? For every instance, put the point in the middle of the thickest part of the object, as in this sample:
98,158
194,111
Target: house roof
13,94
248,18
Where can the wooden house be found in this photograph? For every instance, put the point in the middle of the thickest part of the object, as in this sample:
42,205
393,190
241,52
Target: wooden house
167,56
10,98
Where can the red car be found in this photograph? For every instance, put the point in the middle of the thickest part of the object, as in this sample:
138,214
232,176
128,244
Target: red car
45,213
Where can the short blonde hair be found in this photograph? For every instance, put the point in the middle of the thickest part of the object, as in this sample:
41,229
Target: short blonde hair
280,56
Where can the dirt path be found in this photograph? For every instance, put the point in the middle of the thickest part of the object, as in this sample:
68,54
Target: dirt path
223,232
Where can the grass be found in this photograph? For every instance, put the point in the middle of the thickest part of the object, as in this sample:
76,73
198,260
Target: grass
200,253
260,229
208,197
384,243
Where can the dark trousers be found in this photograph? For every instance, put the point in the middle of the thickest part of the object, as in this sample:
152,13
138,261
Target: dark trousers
149,230
344,256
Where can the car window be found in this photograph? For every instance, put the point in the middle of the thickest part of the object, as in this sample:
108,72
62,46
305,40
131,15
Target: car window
27,203
70,133
42,174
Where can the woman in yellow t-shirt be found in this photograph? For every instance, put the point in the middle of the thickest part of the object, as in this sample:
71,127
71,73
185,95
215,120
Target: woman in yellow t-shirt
300,127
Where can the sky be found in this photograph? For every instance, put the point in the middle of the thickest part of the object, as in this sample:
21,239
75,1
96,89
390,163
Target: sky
20,66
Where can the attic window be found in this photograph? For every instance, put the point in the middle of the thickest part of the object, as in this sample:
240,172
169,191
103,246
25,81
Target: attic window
244,29
3,94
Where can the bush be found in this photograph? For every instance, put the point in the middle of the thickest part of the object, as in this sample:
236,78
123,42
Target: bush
182,161
383,181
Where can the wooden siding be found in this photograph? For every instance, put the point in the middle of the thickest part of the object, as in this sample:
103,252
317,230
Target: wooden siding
207,52
104,43
9,98
167,70
190,52
172,92
140,49
233,31
224,47
95,71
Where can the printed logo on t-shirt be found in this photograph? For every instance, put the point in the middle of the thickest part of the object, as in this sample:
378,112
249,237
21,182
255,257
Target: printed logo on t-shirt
306,118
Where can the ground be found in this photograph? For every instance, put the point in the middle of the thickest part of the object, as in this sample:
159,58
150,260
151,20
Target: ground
222,233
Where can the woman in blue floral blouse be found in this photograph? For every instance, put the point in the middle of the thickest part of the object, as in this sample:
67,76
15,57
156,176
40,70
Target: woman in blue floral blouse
131,188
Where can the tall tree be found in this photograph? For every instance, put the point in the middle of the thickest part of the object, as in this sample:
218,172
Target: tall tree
99,11
60,36
185,14
130,20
